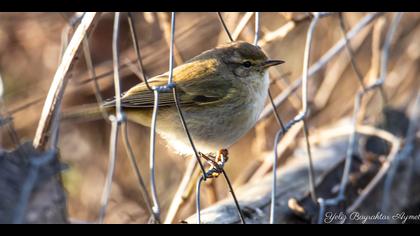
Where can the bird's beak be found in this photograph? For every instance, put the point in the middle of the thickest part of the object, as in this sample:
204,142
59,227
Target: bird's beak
270,63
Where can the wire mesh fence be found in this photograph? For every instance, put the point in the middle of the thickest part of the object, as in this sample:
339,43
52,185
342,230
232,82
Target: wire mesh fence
79,29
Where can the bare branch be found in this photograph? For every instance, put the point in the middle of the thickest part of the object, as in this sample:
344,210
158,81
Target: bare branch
85,27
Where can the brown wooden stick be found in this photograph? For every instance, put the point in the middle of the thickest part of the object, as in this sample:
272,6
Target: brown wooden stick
58,84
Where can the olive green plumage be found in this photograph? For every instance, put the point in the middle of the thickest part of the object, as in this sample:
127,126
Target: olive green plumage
221,92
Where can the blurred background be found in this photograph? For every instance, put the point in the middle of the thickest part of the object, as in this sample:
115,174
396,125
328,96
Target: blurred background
30,48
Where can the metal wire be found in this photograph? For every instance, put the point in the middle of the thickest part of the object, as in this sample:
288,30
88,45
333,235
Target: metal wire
171,50
311,171
321,213
378,84
224,26
256,40
354,65
306,56
169,86
407,150
353,60
138,60
204,176
197,199
350,151
387,44
175,94
307,72
210,174
111,168
99,98
257,28
142,185
136,169
116,121
134,39
350,148
317,66
276,114
155,208
235,200
384,169
280,133
184,125
300,117
131,22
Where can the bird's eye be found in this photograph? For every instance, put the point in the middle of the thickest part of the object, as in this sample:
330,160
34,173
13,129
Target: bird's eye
247,64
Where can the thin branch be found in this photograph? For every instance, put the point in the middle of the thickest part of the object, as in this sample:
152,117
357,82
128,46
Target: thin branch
58,84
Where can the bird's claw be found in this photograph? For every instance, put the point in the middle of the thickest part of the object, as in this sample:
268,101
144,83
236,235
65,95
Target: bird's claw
216,162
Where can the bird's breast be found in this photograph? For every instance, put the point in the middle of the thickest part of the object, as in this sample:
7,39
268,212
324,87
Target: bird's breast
216,127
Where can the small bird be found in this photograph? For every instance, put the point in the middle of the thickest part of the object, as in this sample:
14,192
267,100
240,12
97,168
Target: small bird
221,93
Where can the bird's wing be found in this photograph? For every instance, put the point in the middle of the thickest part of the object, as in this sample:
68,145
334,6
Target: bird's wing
194,91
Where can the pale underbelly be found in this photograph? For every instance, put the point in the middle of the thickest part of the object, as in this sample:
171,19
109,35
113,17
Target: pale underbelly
211,129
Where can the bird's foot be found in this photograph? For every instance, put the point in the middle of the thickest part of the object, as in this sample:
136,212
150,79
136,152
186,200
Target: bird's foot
216,162
222,155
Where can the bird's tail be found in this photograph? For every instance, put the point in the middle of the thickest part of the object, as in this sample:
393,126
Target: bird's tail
83,113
